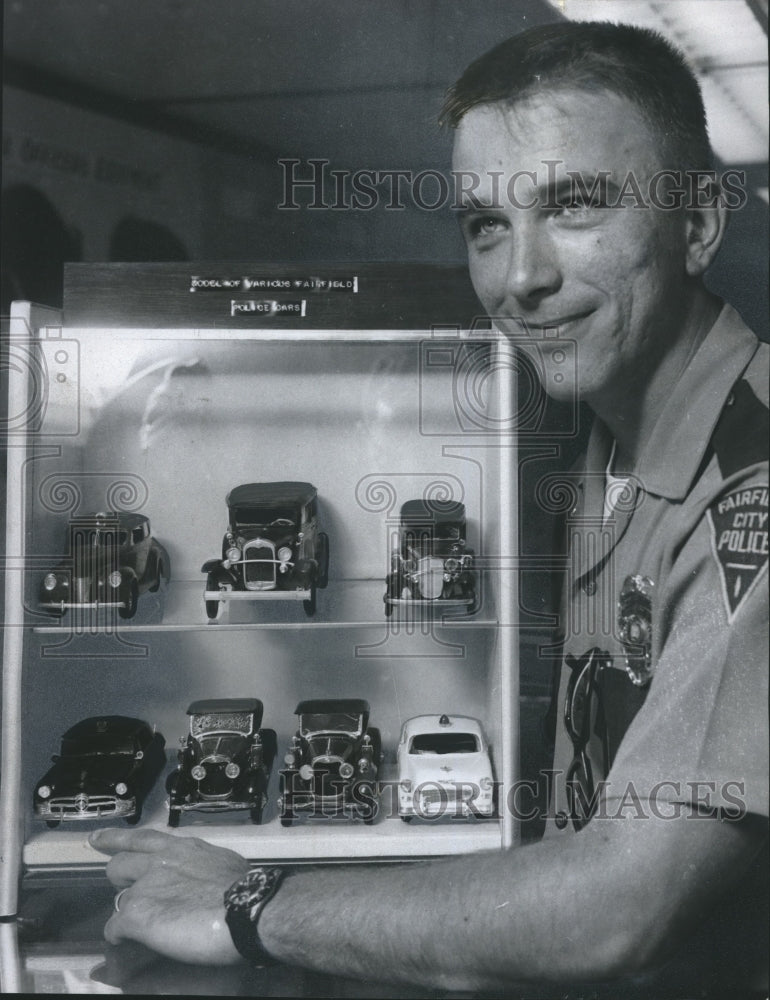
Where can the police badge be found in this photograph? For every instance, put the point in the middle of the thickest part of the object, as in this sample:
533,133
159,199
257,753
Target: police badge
635,627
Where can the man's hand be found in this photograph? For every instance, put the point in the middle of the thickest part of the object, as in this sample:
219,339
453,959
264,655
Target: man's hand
174,888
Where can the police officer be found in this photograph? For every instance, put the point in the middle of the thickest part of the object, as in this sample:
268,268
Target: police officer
577,145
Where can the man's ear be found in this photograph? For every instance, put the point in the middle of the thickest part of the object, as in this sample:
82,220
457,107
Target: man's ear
705,230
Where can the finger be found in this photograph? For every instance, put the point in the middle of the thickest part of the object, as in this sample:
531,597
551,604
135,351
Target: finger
113,929
115,839
125,868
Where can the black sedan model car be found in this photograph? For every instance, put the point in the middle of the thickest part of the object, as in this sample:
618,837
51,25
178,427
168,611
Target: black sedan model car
112,559
331,766
432,566
226,760
106,768
272,547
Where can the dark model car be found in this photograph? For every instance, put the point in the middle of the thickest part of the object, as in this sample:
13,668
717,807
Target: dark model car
226,760
432,565
112,559
106,768
331,766
272,547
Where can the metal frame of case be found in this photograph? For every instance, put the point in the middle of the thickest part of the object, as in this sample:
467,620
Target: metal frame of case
33,335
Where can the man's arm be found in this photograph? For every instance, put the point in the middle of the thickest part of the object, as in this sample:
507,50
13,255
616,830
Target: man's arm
611,900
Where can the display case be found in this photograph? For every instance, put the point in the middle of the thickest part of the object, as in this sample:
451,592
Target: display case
350,390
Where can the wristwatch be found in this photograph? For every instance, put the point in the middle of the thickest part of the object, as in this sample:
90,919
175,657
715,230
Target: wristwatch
244,901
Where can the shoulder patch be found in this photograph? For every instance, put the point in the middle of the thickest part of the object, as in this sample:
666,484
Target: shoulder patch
740,438
739,540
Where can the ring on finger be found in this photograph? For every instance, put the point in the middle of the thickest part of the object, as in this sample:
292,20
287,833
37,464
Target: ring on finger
116,900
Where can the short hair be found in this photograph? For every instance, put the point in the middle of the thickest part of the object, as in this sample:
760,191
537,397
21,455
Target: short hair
636,63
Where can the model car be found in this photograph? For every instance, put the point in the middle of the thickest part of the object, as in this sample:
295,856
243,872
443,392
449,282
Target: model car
272,547
331,765
112,559
431,565
225,762
106,768
444,768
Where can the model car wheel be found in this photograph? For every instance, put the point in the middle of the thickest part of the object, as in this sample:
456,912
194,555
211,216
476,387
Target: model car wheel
323,559
393,591
310,604
133,820
52,823
407,819
287,815
132,601
256,813
212,607
160,575
174,817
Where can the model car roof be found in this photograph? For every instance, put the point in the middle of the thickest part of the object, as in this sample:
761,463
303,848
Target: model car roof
109,519
252,494
431,512
208,705
321,706
432,724
107,727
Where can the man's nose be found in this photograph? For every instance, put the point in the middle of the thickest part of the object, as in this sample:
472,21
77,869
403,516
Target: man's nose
534,270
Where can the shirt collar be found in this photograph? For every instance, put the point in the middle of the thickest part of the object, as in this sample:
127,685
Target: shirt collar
683,430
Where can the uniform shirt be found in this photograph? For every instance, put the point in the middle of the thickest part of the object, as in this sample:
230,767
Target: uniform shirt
670,592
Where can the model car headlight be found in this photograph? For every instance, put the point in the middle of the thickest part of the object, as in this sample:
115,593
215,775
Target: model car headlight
346,770
306,772
49,581
284,553
289,759
232,770
198,772
486,784
115,579
233,554
364,764
44,791
121,788
451,565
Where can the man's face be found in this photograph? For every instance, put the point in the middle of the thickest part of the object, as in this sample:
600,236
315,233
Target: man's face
610,279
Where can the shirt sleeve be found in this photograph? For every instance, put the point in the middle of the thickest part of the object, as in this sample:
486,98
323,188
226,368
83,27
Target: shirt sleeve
701,737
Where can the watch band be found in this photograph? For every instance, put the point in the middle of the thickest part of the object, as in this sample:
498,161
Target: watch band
244,901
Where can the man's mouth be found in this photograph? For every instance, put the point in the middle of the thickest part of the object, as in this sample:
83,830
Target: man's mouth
554,327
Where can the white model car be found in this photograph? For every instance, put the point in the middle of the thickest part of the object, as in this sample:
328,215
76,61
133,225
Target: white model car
444,769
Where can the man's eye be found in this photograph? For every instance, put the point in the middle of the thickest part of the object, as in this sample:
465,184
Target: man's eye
577,209
485,225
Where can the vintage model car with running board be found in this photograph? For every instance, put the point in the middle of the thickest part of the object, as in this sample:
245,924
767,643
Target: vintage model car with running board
225,762
431,566
272,548
332,763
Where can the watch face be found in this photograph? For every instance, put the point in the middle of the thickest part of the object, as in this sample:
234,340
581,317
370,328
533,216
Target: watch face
257,887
